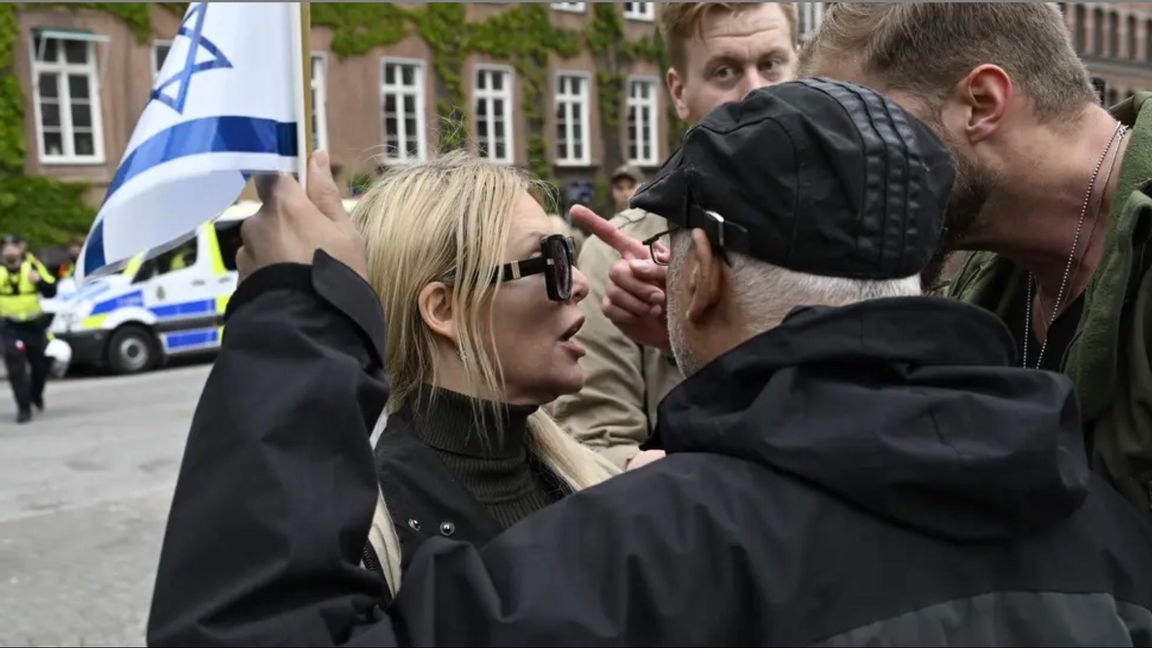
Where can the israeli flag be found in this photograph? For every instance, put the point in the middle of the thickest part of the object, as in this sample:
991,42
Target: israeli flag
229,101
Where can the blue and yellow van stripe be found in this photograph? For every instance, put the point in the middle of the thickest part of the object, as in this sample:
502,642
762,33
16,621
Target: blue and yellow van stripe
182,326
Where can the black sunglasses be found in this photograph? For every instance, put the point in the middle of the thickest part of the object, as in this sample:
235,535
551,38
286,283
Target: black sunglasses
557,257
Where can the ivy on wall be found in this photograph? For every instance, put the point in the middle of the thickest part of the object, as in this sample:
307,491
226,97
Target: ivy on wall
137,15
43,209
524,36
11,96
50,211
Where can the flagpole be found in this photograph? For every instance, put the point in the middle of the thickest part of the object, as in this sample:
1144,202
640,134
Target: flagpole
303,28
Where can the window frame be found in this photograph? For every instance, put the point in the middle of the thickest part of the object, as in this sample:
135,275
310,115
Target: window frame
508,94
571,7
585,114
420,93
647,15
319,89
154,59
61,69
652,127
808,18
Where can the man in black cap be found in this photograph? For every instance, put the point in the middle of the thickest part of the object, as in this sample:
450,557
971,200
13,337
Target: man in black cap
848,463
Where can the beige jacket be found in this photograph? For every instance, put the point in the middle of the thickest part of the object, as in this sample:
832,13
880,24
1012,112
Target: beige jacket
624,381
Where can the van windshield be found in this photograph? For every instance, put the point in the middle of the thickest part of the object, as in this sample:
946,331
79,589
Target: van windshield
178,258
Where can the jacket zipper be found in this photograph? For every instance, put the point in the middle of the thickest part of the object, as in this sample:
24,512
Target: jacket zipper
371,561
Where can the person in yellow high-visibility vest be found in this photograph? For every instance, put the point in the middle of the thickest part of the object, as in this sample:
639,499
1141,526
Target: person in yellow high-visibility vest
23,325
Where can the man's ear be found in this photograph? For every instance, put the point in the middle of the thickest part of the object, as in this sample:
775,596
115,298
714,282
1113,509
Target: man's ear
676,91
984,94
435,304
706,280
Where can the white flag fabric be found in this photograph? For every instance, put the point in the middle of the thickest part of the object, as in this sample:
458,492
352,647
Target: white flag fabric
227,102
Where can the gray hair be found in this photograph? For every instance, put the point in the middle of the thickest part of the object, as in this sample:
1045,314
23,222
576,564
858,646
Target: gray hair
766,293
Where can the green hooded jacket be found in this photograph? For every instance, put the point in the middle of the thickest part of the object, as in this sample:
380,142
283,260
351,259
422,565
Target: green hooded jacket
1110,356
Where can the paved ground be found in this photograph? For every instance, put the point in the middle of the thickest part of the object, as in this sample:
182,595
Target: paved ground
84,492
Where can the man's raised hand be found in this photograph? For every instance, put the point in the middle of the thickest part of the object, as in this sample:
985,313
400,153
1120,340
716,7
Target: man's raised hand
635,299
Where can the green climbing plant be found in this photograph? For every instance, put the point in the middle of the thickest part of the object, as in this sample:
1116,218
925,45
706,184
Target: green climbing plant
43,209
357,27
51,211
137,15
11,97
523,35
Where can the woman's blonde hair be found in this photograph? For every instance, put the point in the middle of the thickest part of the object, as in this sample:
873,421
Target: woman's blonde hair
448,220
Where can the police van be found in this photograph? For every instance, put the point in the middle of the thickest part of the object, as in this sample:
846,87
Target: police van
158,306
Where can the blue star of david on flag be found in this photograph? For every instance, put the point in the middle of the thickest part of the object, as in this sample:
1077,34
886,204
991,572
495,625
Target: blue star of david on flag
196,43
200,138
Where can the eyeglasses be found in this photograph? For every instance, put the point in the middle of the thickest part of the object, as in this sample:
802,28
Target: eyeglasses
557,257
713,224
660,247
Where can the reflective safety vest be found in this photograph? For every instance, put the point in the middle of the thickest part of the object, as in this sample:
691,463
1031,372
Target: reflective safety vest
19,299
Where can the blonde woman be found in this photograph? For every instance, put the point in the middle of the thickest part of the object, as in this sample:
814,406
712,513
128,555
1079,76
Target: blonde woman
480,300
280,488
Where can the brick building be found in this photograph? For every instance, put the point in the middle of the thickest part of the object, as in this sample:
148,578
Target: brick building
1115,41
86,76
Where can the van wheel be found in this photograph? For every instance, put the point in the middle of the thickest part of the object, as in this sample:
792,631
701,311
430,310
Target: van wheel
131,349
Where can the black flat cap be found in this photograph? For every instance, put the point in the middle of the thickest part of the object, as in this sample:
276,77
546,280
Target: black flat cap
816,175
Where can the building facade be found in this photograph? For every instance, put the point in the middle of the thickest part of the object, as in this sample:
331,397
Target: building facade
1115,41
87,76
571,113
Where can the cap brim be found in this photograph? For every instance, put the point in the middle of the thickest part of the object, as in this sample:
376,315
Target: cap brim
666,194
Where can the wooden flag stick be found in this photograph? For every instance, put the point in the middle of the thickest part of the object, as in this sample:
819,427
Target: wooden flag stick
306,55
302,23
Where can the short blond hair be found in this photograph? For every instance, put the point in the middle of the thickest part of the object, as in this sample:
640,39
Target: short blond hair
680,22
928,47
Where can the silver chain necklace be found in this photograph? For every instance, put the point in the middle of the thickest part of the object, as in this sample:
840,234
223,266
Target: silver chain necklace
1116,134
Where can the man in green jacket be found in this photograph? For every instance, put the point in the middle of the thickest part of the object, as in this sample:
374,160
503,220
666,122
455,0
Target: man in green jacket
1053,199
1053,196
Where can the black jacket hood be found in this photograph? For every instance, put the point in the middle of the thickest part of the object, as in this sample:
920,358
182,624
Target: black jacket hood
909,408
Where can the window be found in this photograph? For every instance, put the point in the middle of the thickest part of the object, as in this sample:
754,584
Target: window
160,51
572,135
1098,31
68,125
1132,53
1148,40
494,113
643,129
1079,24
639,11
1113,48
574,7
402,95
810,14
319,98
180,257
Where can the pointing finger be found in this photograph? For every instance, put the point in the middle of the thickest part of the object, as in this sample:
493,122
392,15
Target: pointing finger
607,232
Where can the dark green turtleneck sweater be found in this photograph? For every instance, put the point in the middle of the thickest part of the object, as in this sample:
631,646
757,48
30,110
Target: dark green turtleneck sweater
494,467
